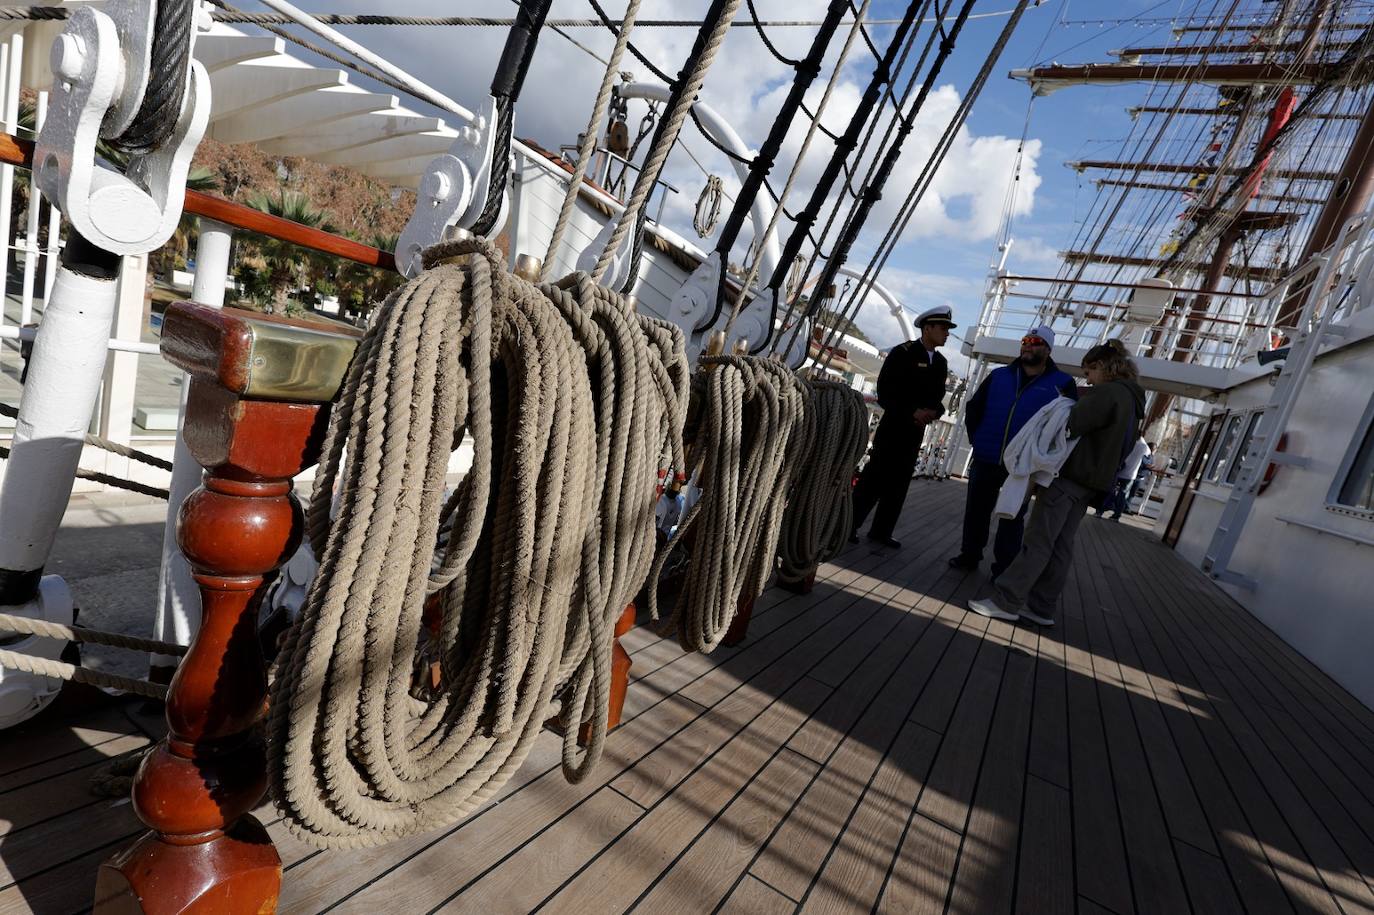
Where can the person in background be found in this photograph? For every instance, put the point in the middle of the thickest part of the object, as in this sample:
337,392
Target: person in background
1007,398
911,391
1119,500
1103,425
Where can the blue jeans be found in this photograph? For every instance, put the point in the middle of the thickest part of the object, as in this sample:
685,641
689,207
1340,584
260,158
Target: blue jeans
985,480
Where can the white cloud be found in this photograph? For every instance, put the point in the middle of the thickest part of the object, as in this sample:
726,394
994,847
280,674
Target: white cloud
746,85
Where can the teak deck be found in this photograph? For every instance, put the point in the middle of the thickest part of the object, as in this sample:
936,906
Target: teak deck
870,746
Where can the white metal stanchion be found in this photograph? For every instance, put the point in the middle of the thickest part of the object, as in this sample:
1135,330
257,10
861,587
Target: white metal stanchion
178,598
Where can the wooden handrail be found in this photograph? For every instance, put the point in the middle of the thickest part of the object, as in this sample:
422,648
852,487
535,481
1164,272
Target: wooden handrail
17,151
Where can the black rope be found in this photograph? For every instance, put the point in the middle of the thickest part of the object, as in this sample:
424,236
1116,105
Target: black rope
511,71
844,146
636,253
639,55
834,137
763,37
807,71
874,191
720,147
168,70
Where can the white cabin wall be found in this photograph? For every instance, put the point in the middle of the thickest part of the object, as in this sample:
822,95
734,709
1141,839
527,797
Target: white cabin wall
1314,587
539,198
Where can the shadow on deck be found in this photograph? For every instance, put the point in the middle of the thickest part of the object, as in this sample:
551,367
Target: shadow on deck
871,746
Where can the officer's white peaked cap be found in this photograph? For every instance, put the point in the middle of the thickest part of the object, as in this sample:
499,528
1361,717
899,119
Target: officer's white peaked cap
941,314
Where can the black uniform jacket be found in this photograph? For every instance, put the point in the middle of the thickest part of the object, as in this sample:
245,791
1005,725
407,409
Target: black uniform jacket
909,381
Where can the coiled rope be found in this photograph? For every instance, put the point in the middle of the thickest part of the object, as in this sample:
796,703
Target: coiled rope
820,509
707,213
573,403
748,432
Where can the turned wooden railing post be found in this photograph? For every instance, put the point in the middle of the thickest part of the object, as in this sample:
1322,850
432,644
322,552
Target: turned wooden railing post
254,418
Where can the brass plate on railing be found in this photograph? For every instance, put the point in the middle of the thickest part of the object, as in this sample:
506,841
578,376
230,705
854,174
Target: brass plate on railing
259,356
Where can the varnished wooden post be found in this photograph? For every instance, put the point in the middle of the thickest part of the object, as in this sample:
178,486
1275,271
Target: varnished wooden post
204,851
620,668
739,626
801,586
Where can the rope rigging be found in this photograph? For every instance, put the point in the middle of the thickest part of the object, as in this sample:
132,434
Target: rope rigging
894,231
588,142
820,508
847,190
574,402
707,44
807,71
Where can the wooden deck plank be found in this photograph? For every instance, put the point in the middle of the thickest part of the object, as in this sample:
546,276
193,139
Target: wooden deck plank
1209,885
1101,871
543,864
853,876
617,878
708,871
52,736
949,790
1317,843
440,865
851,736
985,875
1185,711
921,874
1302,881
751,897
1044,874
1156,880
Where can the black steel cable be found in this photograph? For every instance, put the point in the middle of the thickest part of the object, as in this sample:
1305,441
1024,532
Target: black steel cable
506,84
168,70
763,37
873,191
807,71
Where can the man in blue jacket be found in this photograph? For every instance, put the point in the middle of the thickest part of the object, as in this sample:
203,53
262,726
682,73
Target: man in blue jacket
1004,402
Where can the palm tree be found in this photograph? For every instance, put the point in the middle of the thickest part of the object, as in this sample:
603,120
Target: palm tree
271,271
361,288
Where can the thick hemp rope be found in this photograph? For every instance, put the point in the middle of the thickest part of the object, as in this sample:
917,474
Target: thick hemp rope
748,431
820,508
573,403
587,147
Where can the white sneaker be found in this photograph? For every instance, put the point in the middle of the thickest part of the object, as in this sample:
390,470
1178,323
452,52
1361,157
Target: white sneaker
986,607
1036,618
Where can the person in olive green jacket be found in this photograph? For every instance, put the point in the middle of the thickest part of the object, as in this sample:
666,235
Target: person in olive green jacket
1105,424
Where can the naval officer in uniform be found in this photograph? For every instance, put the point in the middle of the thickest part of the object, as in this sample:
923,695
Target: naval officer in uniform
911,391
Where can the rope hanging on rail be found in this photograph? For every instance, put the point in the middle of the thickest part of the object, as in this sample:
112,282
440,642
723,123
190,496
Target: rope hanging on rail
748,433
574,404
820,509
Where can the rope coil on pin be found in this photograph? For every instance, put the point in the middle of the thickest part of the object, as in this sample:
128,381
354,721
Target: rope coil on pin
707,213
748,432
573,403
820,509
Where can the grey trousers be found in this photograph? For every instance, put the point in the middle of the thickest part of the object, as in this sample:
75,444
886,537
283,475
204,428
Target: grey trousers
1037,576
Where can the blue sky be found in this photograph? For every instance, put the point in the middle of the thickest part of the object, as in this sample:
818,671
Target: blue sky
944,256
